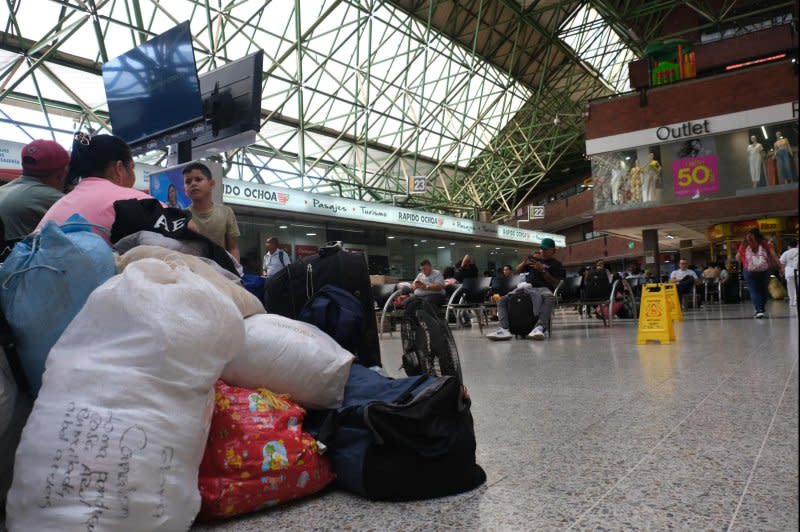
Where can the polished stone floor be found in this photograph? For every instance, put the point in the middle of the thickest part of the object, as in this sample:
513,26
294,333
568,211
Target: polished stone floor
590,431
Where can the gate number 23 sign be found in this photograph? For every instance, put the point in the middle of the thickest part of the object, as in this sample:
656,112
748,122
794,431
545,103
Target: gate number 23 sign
695,176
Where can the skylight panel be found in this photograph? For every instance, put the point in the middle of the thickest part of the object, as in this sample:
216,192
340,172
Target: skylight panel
596,43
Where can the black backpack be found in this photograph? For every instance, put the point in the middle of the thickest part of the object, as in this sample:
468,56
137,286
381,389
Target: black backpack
520,313
428,344
338,313
597,285
400,439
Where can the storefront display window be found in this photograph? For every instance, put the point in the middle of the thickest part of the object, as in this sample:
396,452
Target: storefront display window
711,166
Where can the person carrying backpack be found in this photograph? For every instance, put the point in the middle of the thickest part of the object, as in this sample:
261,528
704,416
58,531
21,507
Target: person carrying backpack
544,273
275,259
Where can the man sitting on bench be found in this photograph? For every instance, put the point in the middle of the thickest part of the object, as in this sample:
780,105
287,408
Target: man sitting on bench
429,284
685,278
544,274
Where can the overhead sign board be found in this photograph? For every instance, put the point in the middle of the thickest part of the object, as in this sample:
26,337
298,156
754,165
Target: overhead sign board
535,212
699,127
238,192
417,184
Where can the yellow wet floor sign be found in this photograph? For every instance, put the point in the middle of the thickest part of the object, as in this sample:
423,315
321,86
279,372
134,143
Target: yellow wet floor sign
655,322
673,301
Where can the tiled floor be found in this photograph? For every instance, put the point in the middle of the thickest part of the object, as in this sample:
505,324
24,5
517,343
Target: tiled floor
590,431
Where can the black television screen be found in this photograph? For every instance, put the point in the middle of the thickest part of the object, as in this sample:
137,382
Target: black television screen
368,236
232,100
154,88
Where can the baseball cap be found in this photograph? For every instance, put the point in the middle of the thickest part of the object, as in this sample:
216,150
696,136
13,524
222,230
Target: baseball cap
43,155
547,243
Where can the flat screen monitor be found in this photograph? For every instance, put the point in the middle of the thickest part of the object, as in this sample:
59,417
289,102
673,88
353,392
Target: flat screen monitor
232,100
154,88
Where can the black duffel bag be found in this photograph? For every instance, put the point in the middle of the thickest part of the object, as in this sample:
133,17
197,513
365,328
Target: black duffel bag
287,291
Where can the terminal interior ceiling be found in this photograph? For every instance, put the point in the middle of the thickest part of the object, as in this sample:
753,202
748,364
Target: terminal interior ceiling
485,98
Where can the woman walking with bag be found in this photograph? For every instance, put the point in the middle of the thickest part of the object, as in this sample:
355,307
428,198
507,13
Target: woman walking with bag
757,256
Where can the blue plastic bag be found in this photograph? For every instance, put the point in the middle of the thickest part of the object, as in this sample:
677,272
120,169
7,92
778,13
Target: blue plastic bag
45,282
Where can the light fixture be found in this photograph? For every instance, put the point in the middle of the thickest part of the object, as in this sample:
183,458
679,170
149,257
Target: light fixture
440,247
755,62
477,245
390,237
423,241
496,248
281,227
311,234
669,236
416,245
764,131
452,243
627,158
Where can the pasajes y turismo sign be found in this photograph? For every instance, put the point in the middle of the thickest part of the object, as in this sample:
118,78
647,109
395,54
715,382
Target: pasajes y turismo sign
238,192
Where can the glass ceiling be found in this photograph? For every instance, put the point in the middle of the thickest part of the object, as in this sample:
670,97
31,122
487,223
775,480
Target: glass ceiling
367,70
598,44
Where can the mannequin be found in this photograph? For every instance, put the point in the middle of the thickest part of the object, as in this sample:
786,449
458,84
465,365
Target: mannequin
599,186
783,154
755,159
651,179
616,182
636,183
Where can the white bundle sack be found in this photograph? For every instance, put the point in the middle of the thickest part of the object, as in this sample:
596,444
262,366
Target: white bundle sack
118,430
292,357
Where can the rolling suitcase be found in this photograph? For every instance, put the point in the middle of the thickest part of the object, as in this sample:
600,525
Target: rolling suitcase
287,291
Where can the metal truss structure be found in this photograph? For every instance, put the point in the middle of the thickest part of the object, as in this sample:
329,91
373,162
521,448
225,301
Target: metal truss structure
483,97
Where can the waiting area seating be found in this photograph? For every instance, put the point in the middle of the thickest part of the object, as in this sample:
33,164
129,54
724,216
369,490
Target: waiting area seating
570,294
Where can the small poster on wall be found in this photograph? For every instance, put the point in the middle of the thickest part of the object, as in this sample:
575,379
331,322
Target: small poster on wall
695,169
304,250
167,187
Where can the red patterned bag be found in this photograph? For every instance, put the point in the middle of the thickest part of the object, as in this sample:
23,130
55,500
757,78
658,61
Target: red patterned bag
257,454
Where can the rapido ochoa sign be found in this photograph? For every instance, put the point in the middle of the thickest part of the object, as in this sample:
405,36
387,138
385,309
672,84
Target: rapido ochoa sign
256,195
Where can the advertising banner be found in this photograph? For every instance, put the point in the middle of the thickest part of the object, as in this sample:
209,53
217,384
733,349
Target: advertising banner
695,176
257,195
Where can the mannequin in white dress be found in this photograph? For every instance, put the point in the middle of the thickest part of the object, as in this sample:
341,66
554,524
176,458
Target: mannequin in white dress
650,178
616,182
755,159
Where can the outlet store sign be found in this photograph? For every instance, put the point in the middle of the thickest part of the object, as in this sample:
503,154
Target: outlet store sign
256,195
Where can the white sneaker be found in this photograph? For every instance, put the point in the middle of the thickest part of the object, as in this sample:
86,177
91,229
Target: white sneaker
500,334
537,333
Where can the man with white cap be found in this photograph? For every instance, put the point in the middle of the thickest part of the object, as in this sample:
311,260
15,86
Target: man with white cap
24,201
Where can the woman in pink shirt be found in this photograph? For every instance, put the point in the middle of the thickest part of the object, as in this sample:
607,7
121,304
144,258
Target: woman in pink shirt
104,165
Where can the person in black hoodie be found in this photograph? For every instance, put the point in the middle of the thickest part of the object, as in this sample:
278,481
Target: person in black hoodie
467,272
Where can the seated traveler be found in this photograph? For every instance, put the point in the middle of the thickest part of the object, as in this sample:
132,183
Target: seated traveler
429,284
102,167
25,200
467,275
544,274
501,285
684,278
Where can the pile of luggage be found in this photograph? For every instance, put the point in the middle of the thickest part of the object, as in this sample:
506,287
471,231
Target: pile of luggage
165,390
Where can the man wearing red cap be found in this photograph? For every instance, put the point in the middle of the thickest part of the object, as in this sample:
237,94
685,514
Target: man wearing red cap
24,201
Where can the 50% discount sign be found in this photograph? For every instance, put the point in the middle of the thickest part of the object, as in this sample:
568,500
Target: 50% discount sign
695,175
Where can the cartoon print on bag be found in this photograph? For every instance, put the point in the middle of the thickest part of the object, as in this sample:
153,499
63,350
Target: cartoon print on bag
274,456
232,459
303,479
273,483
257,403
